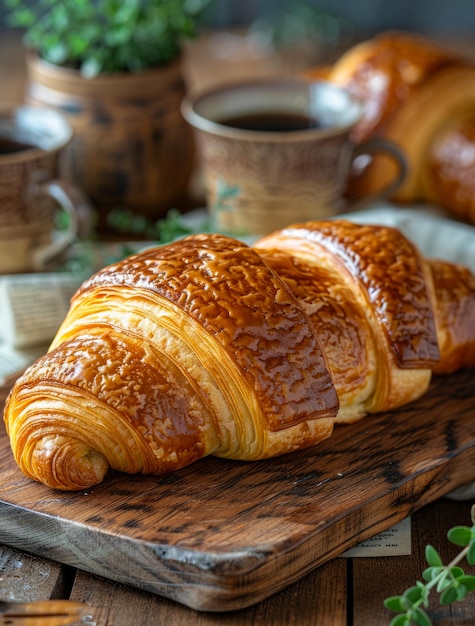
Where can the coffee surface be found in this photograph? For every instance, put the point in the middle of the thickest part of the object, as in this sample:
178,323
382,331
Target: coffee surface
271,122
11,146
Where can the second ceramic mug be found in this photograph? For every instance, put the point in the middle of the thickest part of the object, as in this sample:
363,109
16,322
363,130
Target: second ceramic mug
32,141
278,151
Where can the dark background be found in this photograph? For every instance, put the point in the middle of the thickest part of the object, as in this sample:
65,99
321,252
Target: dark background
431,16
428,16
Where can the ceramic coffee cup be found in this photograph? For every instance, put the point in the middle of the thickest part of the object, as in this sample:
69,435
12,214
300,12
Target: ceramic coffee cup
278,151
32,141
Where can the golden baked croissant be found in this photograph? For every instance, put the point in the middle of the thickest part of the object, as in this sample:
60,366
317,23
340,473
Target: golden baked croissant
208,346
422,97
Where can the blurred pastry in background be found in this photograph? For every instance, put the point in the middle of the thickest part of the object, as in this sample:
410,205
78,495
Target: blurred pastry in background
421,96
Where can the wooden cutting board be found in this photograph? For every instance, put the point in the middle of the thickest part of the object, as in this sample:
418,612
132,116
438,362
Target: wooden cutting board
221,535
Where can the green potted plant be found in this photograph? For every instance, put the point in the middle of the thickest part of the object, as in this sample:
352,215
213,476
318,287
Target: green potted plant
115,69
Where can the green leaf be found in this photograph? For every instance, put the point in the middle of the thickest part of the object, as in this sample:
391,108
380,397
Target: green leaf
460,535
468,581
394,603
118,36
411,596
448,596
57,54
432,556
138,224
21,18
78,46
471,553
456,572
420,617
400,620
444,582
431,572
126,13
461,591
60,17
91,67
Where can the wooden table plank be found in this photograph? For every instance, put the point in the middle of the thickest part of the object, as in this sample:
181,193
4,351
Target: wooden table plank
25,577
317,600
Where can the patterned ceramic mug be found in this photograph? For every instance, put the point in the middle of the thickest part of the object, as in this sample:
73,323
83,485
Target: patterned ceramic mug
32,141
278,151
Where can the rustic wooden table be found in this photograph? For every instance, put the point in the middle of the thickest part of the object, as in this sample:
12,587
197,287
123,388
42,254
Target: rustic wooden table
343,592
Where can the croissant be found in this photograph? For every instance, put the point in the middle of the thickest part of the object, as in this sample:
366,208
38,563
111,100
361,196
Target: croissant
209,346
422,97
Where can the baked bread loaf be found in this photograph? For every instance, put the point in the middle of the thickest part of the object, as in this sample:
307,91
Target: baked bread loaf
422,97
208,346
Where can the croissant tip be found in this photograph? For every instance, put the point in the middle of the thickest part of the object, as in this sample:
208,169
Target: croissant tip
67,465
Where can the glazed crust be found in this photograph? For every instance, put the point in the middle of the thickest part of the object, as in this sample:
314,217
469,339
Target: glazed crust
99,395
338,317
390,270
207,346
386,281
454,287
237,300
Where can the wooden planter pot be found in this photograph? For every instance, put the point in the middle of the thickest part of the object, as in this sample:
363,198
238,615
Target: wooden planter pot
131,149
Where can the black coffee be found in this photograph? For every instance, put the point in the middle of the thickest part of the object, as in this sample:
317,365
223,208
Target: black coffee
271,122
10,146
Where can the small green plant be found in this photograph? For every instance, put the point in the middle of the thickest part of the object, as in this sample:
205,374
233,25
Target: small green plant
163,230
106,36
450,581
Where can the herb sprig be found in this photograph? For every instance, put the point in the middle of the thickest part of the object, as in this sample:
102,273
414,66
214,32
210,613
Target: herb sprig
450,581
164,230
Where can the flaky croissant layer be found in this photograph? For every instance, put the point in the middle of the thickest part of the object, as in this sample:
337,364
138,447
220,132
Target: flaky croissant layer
209,346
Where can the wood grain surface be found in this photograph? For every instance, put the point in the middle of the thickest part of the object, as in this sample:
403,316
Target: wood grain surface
222,535
342,592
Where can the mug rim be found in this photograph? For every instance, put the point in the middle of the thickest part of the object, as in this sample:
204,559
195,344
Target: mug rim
192,101
14,111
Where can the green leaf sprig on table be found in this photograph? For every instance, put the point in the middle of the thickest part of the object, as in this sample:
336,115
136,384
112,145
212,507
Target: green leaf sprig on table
450,581
164,230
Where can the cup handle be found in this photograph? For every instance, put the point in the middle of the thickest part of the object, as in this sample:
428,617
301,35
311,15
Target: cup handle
80,220
380,145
